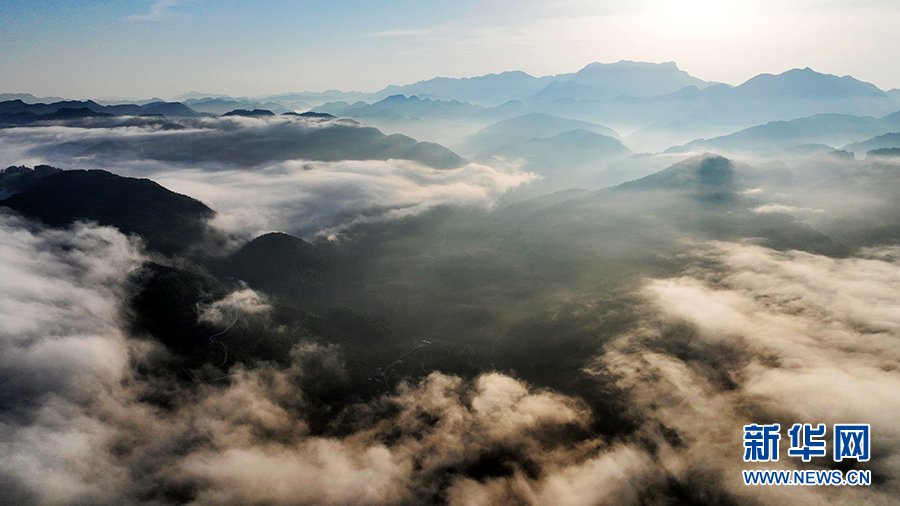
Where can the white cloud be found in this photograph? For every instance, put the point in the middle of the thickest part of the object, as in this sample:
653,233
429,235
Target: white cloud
800,338
61,348
257,193
323,198
74,427
782,208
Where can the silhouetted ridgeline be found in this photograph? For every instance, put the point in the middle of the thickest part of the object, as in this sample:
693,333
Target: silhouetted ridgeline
169,222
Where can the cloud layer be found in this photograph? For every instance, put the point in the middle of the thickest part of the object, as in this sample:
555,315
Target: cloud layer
322,198
746,335
64,359
766,337
78,426
252,173
92,412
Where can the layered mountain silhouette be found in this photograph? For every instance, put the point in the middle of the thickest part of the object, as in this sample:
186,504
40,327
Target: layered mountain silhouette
791,95
608,80
894,94
18,112
883,153
223,105
637,79
603,81
661,104
664,104
28,98
530,126
565,147
490,88
701,198
571,159
885,141
401,107
827,129
580,310
279,138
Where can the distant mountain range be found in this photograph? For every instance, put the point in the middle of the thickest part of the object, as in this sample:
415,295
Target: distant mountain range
490,88
660,104
28,98
884,141
401,107
529,126
224,105
619,82
829,129
894,94
596,80
19,112
570,159
273,139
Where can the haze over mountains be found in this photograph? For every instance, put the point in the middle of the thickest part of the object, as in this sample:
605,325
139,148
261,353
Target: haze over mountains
535,124
502,290
654,106
828,129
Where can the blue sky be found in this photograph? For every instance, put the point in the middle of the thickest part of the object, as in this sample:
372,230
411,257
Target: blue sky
163,48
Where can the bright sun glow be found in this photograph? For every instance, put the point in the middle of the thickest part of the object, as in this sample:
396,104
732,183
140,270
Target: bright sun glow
701,16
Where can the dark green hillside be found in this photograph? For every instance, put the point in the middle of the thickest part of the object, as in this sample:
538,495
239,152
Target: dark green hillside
167,221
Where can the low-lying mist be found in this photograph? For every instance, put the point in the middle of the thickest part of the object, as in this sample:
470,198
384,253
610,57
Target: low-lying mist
387,330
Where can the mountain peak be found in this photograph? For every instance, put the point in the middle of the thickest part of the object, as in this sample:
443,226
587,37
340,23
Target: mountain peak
255,113
168,222
637,79
806,83
709,173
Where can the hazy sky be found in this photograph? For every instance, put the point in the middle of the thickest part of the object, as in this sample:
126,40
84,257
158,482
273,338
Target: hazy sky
138,49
